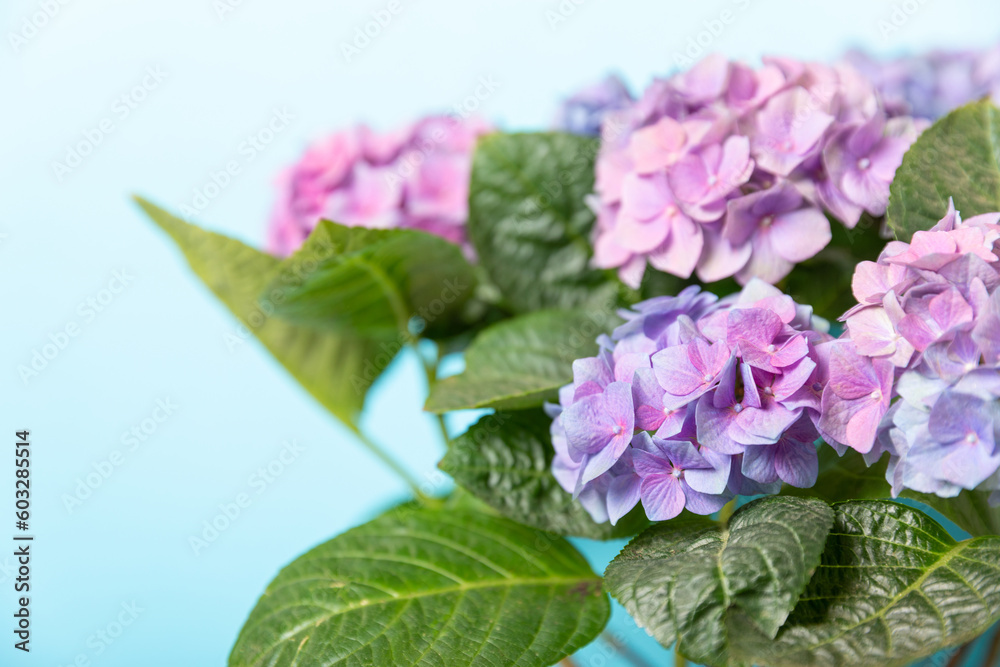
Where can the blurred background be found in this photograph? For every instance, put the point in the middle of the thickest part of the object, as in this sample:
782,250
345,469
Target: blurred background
156,414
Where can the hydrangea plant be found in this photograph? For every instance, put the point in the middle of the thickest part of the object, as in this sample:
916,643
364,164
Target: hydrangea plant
752,437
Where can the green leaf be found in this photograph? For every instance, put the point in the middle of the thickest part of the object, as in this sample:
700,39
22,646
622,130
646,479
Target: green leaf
521,362
448,588
893,586
529,222
685,579
505,460
336,370
373,281
845,477
959,156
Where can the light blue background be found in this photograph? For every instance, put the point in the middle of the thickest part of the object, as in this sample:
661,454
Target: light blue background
164,335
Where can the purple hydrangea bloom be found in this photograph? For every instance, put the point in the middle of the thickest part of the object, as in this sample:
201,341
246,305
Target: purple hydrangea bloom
726,171
416,177
930,85
584,111
916,372
691,401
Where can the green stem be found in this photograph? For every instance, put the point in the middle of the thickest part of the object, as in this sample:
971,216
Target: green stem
382,455
444,429
727,511
679,660
430,371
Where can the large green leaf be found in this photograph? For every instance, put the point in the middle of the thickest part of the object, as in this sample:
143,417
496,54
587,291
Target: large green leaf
505,460
893,586
337,370
448,588
521,362
375,281
529,222
686,579
959,156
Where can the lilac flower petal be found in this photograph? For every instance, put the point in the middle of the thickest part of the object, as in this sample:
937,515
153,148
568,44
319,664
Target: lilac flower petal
598,463
758,464
690,369
681,453
592,369
648,463
662,497
713,427
724,395
623,495
710,480
628,364
961,417
796,463
720,259
680,252
766,423
598,422
863,424
792,379
703,503
799,235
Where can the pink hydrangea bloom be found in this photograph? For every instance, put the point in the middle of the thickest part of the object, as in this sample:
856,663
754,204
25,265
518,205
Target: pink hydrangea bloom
726,171
916,371
415,177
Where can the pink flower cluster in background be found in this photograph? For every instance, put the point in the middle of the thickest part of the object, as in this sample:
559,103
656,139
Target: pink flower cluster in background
726,171
916,372
415,177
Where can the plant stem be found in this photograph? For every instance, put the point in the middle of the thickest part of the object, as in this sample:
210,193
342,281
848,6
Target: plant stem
567,662
624,650
444,429
430,371
679,660
727,511
991,657
959,655
394,465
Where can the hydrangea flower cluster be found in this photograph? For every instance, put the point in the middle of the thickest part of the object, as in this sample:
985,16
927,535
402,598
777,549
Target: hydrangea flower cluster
930,85
584,112
725,170
916,372
691,401
416,177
